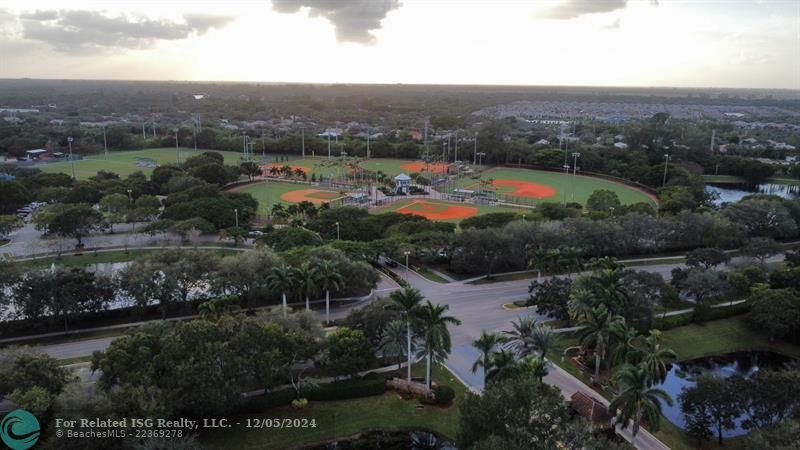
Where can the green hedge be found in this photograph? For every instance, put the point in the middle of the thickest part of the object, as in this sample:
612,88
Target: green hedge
259,403
680,320
342,390
443,395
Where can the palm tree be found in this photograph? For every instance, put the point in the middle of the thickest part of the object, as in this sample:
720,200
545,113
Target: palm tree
486,345
543,338
654,358
393,340
503,365
408,301
519,337
636,399
328,277
435,335
621,337
282,278
307,282
595,331
534,367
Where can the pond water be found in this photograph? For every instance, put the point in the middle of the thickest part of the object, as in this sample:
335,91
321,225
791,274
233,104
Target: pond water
733,192
682,375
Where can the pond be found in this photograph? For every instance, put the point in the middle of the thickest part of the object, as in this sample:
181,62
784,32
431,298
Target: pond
682,375
733,192
394,440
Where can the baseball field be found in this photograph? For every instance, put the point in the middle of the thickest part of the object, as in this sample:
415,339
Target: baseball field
441,210
531,186
273,192
125,162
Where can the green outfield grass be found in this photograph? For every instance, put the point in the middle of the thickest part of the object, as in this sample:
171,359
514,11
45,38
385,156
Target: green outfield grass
269,192
124,162
321,166
577,189
482,209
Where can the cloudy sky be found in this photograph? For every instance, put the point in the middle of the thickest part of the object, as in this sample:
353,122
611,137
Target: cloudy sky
721,43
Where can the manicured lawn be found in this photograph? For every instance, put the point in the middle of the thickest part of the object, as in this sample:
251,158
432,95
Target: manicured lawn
342,418
482,209
123,162
268,193
722,336
576,189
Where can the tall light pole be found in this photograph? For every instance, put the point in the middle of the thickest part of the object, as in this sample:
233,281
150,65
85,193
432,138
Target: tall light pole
406,253
337,231
455,151
105,142
176,144
236,215
303,142
130,196
666,165
71,159
566,174
329,145
368,130
475,151
194,134
575,156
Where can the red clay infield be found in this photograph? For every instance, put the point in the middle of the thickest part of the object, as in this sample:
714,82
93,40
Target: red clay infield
315,196
437,211
266,167
526,189
420,167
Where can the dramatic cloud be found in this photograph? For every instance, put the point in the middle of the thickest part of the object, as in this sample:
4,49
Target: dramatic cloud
84,31
353,19
570,9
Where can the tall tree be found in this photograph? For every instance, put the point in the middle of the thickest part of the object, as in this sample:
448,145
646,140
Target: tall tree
282,279
596,329
486,345
393,341
637,400
520,335
436,343
306,279
328,278
409,302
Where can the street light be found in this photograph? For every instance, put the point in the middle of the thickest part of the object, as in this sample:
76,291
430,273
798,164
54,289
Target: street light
236,214
566,173
130,196
337,231
406,253
176,144
71,160
575,156
105,143
666,164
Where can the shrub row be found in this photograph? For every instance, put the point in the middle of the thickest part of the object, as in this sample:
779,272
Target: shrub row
679,320
369,385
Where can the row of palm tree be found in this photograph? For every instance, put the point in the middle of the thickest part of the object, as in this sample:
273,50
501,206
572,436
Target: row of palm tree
425,327
287,171
642,362
306,281
520,351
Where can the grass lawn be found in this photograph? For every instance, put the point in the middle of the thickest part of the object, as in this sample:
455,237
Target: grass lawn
482,209
123,162
342,418
269,193
577,189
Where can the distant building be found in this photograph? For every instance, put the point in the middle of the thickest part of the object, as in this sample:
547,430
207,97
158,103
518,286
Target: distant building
621,145
542,142
402,183
415,135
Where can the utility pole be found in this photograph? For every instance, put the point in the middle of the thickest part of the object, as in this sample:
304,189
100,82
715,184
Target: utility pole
303,141
713,138
105,143
71,159
177,150
666,165
263,146
144,134
475,151
575,156
329,146
368,132
455,152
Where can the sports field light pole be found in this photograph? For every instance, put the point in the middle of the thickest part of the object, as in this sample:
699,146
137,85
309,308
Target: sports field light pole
71,160
406,253
236,215
329,145
575,156
566,174
666,165
105,143
178,150
337,231
130,196
475,151
303,142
